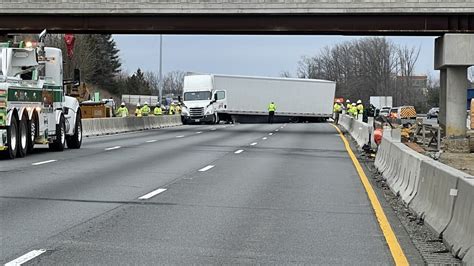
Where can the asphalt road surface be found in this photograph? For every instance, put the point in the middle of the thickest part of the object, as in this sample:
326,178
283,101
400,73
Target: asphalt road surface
225,194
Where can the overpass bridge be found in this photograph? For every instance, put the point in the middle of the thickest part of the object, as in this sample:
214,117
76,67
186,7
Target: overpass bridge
362,17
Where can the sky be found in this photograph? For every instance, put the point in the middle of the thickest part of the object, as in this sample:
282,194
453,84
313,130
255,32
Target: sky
262,55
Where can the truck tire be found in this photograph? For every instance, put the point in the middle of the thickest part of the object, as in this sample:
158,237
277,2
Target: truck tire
60,141
32,132
12,136
23,137
75,141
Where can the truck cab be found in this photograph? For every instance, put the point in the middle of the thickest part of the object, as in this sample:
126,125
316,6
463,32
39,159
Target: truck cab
201,101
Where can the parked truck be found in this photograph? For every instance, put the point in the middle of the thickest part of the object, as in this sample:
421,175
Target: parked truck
34,108
211,98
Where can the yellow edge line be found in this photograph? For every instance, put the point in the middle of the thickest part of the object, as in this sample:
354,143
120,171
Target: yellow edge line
392,241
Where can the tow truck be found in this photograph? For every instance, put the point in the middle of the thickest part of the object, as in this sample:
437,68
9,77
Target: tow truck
34,107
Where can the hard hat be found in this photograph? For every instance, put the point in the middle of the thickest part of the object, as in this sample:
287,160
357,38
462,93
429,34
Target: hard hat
146,103
353,104
123,103
138,104
348,101
359,101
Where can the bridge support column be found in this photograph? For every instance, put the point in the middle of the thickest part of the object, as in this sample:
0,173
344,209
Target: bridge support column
454,53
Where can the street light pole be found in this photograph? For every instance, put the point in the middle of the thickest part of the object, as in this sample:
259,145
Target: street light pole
161,71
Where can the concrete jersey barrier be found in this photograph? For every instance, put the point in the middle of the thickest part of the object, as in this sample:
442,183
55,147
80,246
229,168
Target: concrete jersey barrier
360,131
113,125
441,195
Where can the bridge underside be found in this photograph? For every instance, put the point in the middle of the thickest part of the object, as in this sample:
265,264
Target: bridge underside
357,24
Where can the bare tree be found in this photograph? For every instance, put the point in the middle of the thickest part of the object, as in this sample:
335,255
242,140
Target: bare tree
173,82
285,74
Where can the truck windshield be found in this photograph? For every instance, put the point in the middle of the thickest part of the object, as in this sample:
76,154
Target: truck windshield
197,95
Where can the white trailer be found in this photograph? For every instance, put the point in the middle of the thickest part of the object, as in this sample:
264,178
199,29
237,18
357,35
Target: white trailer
381,101
245,98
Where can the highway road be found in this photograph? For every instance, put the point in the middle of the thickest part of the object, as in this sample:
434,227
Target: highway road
223,194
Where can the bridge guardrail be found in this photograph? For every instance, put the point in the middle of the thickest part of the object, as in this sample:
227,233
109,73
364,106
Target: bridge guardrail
113,125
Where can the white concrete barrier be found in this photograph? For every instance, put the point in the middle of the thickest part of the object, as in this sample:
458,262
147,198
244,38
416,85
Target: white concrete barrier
435,198
113,125
460,231
360,131
441,195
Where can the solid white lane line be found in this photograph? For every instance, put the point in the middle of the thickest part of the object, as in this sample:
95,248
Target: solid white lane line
253,143
270,134
151,141
40,163
28,256
238,151
113,148
152,194
264,138
180,136
199,132
206,168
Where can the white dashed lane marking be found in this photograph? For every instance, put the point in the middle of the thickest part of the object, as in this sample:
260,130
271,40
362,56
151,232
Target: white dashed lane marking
151,141
206,168
264,138
180,136
238,151
113,148
27,257
152,194
253,143
44,162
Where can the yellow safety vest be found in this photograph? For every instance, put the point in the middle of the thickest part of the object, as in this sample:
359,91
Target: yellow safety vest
138,112
157,111
272,107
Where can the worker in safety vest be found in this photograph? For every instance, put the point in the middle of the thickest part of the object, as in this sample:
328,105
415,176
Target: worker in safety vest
337,109
271,112
157,110
178,108
172,109
145,109
348,106
360,108
138,111
122,111
353,110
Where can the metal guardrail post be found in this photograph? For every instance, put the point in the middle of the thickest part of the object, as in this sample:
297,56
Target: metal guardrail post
423,132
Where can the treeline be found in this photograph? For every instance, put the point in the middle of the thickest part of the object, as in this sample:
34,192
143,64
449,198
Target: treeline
369,67
97,56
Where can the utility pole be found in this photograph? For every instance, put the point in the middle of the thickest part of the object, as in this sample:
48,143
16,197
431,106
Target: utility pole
161,70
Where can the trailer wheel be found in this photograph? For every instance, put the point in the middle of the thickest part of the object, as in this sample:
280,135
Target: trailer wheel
12,135
23,137
60,141
33,132
75,141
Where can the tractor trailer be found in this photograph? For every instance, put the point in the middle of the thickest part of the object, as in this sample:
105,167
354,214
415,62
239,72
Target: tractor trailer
34,108
211,98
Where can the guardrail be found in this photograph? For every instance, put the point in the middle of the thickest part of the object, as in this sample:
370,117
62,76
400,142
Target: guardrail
439,194
113,125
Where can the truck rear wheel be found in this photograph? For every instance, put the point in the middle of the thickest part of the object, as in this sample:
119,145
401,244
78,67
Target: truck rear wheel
75,141
33,132
23,137
12,135
60,140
